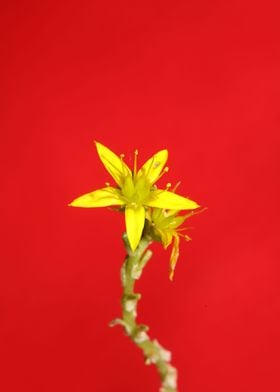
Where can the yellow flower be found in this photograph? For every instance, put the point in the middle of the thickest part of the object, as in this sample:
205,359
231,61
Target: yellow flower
165,225
135,191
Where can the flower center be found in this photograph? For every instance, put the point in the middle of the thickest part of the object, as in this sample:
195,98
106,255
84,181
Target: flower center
135,190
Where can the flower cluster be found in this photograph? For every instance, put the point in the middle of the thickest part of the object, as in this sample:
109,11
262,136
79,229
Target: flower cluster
136,193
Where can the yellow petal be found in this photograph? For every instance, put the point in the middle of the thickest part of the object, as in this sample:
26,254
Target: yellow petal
134,220
157,214
174,256
166,237
152,168
169,200
100,198
115,166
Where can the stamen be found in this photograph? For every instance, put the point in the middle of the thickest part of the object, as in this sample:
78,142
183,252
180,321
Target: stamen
123,168
168,186
107,183
176,187
165,170
185,236
195,212
135,162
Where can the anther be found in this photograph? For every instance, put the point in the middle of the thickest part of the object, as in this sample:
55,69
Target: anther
168,185
107,183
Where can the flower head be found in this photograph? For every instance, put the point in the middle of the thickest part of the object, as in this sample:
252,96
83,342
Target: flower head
135,191
166,227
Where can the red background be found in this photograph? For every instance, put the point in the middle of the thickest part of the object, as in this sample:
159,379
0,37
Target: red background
199,78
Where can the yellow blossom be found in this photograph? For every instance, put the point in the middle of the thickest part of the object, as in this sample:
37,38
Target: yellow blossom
135,191
165,225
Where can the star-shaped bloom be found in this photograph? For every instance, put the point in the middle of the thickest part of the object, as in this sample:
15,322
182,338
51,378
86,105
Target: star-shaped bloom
166,228
135,191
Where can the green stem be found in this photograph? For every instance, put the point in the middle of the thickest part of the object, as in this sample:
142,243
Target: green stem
154,353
